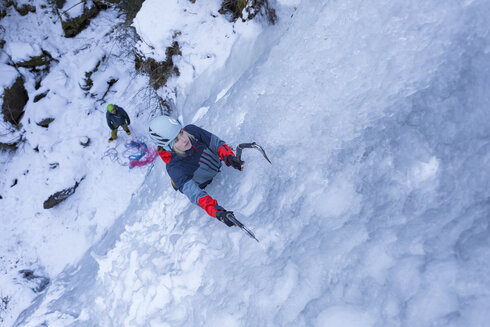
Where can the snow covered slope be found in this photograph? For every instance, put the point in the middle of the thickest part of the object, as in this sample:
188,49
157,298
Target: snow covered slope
374,212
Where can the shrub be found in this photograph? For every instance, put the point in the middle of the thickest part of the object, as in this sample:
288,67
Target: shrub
235,9
159,72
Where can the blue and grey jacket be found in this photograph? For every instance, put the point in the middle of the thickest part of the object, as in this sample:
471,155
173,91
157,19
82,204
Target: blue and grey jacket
118,119
192,171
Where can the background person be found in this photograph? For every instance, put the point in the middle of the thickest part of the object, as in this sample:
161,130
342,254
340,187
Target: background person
117,116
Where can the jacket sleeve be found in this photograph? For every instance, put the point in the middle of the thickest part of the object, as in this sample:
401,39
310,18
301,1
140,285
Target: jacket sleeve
125,116
109,121
194,193
201,198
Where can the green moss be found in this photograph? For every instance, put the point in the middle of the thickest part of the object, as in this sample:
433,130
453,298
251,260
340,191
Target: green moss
242,4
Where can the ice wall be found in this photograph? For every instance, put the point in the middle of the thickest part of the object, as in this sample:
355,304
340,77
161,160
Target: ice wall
374,212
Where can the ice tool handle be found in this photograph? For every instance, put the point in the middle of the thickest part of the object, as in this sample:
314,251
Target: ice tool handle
253,145
231,217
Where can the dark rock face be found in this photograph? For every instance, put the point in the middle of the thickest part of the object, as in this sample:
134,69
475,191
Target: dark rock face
60,196
40,96
129,8
72,27
14,101
9,147
45,122
36,283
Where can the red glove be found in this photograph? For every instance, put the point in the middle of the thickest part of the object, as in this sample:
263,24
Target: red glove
229,158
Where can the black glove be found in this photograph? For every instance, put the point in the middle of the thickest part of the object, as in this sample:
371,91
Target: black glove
221,216
234,162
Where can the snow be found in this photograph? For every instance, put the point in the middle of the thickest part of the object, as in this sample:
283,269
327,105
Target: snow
21,51
72,8
374,211
289,2
9,75
198,27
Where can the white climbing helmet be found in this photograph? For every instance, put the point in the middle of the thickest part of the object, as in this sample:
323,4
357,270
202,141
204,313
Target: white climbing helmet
163,130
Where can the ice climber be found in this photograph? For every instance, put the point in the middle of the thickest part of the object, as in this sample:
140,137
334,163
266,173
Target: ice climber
117,116
193,157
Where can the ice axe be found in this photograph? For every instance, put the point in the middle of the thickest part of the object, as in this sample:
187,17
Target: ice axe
253,145
231,217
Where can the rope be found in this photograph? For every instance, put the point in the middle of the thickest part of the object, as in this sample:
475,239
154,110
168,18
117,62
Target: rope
113,154
136,151
143,155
